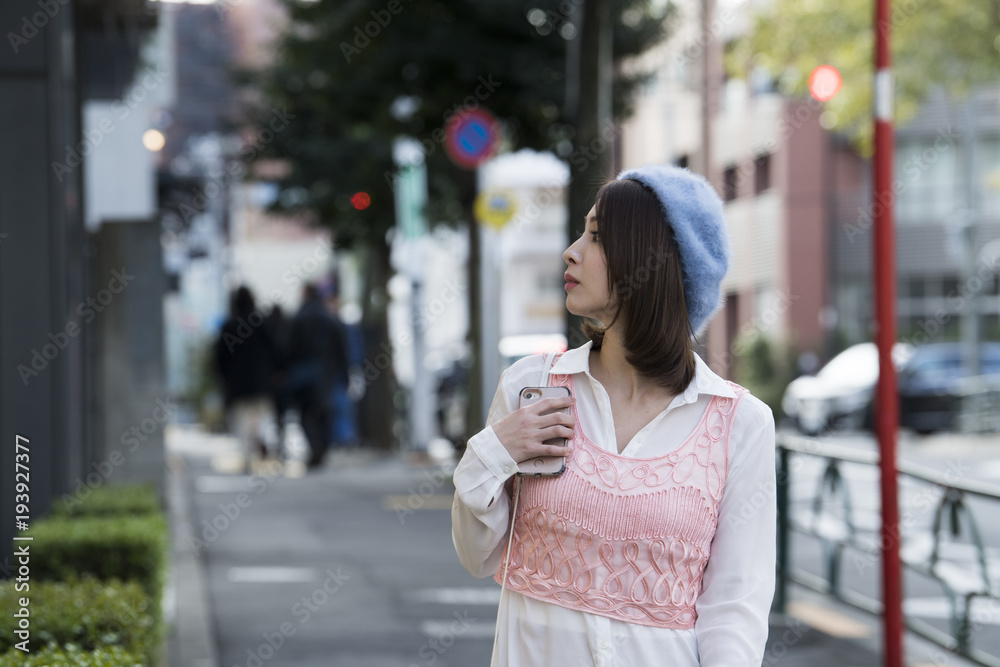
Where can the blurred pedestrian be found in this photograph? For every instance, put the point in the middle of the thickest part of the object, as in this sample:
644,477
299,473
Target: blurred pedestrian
279,328
245,358
344,390
656,544
317,355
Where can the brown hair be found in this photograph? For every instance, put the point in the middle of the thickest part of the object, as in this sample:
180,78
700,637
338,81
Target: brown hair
646,282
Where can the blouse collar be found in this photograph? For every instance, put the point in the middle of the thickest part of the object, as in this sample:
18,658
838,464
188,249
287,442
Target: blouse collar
705,381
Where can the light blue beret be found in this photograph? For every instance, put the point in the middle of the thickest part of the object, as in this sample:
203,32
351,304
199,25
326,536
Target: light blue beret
694,211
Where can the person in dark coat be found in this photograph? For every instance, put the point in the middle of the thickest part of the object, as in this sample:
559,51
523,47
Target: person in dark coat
279,328
245,358
317,356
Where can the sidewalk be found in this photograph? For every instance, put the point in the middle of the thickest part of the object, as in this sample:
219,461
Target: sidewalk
819,631
353,565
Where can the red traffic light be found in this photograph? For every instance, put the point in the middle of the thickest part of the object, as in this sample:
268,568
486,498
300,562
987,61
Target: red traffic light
361,200
825,82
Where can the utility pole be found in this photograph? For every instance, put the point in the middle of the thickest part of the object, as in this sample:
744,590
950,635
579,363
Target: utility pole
887,398
588,97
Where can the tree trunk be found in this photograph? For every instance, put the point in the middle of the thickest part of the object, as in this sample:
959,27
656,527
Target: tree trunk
589,110
475,420
377,411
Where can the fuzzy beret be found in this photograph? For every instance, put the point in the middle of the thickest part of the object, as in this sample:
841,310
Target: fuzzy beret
694,211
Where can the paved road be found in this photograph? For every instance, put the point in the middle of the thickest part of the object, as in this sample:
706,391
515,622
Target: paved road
354,566
323,571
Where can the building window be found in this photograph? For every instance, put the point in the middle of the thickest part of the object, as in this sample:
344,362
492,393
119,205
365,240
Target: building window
992,286
915,288
761,174
929,172
949,287
729,184
989,327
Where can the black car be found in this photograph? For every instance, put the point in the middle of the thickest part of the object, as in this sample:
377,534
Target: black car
930,384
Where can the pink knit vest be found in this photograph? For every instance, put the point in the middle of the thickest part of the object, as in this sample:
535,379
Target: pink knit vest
623,537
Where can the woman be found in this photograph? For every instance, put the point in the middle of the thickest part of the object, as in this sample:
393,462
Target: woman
245,357
656,546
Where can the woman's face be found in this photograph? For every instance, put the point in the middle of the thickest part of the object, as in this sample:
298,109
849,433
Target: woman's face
587,293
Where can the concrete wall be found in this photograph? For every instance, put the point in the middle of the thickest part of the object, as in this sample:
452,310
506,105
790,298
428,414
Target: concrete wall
41,266
130,388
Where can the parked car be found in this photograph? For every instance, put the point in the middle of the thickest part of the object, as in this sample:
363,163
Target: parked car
841,393
931,382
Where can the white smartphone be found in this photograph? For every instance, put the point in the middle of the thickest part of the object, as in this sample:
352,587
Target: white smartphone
543,466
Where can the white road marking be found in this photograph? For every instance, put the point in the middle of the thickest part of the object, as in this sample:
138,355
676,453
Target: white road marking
476,629
470,595
272,575
222,484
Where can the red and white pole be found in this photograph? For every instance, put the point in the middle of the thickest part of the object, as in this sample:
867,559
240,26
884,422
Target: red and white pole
885,318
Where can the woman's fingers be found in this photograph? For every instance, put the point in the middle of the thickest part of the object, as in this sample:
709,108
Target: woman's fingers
556,418
554,403
557,431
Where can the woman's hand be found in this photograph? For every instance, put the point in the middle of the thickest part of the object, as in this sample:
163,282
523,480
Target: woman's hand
523,431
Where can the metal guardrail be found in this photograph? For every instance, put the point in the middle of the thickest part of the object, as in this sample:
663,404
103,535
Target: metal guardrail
977,408
963,579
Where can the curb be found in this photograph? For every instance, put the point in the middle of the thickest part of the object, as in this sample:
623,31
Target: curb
191,642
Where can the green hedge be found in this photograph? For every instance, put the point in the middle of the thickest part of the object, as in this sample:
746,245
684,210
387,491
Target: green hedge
114,500
86,614
102,657
126,547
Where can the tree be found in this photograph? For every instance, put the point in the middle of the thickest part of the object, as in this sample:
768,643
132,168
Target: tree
942,43
355,75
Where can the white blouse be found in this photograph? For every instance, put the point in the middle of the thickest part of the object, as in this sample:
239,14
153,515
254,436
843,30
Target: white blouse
738,582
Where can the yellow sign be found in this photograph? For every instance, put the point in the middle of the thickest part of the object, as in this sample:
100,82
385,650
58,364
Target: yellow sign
494,208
